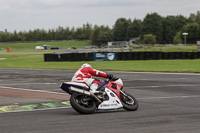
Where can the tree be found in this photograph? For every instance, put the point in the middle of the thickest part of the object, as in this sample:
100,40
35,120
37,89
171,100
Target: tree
101,35
21,36
120,29
67,34
3,37
94,36
14,36
166,29
152,24
105,35
60,33
149,39
169,30
180,21
134,29
193,32
79,34
87,31
177,38
198,17
194,17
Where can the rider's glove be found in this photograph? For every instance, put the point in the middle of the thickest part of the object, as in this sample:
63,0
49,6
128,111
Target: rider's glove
110,76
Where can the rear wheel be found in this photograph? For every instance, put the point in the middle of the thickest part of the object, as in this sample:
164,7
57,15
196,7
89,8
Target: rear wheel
82,104
128,101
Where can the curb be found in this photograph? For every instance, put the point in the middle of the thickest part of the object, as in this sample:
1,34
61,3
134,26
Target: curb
35,106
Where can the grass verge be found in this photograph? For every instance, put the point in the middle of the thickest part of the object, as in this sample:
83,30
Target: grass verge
31,45
166,48
35,60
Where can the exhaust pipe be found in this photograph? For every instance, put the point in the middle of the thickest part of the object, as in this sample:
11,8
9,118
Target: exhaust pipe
77,90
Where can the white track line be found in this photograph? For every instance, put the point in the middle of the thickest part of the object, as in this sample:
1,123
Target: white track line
172,97
193,74
30,83
147,98
32,90
154,86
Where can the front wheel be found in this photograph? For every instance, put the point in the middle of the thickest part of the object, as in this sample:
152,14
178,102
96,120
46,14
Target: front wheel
82,104
128,101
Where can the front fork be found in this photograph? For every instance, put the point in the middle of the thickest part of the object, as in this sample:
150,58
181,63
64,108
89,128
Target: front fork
127,98
123,93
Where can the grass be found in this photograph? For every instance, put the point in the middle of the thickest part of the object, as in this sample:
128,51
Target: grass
167,48
35,60
31,46
24,56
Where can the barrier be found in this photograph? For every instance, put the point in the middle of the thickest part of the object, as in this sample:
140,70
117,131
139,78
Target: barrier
76,57
51,57
182,55
165,55
159,55
65,57
9,49
141,55
176,55
198,55
134,55
104,56
112,56
54,48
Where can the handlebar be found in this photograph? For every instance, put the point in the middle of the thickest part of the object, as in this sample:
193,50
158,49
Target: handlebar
106,81
112,79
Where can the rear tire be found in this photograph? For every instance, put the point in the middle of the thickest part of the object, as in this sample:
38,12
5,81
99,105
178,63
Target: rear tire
129,102
81,105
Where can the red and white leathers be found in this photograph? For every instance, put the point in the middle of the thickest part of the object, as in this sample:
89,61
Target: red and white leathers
84,75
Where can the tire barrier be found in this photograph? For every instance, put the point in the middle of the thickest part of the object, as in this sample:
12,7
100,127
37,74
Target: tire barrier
51,57
198,55
68,57
54,48
123,56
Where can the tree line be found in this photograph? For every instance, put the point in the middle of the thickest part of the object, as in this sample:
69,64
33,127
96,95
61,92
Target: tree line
152,29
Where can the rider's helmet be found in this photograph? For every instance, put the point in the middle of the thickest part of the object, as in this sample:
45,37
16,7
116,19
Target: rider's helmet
86,65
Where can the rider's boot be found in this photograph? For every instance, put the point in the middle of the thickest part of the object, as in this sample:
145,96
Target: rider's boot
93,88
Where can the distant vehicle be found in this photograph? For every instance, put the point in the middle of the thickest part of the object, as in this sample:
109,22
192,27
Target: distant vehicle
39,48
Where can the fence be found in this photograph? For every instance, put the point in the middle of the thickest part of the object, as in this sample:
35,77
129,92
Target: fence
122,56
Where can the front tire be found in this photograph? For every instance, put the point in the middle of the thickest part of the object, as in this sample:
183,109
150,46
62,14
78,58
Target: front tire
82,104
129,102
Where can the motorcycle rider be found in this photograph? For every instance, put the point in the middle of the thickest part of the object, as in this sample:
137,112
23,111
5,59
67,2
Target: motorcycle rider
84,75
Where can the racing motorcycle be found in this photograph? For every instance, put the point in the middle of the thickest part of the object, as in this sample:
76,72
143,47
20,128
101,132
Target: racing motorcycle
110,97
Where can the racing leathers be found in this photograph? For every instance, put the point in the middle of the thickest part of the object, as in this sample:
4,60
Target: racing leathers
84,75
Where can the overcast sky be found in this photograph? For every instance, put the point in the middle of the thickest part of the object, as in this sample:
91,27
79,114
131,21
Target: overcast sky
23,15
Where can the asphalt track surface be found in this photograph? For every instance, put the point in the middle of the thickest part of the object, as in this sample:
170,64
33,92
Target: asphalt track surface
168,103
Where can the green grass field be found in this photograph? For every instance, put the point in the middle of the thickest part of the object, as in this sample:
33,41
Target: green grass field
31,45
168,49
24,56
35,60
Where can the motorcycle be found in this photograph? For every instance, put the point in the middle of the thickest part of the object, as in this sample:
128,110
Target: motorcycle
110,97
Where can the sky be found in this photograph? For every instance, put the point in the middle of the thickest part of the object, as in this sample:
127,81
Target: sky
25,15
